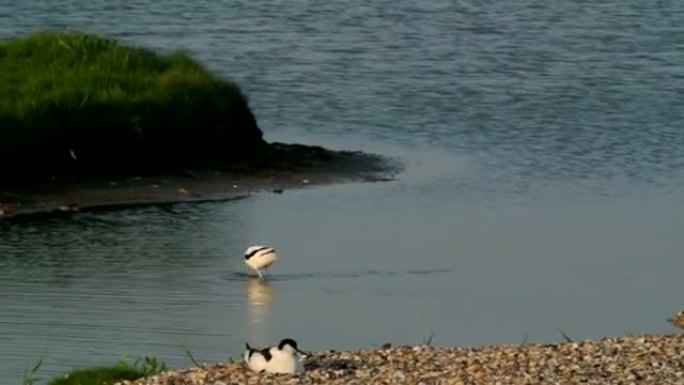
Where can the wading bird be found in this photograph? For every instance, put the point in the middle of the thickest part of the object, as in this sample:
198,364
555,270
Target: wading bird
260,258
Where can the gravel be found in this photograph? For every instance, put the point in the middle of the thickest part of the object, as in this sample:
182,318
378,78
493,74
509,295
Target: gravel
678,319
647,359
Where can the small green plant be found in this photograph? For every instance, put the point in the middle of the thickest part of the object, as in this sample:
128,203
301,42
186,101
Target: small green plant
186,350
566,337
149,366
525,339
428,341
29,375
630,333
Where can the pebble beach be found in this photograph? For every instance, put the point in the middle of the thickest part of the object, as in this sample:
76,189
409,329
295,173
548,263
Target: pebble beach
645,359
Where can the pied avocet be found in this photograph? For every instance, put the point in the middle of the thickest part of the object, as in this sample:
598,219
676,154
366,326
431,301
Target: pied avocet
260,258
274,359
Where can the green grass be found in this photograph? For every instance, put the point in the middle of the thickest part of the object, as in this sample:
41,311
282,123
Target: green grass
29,375
428,341
97,376
103,375
566,337
186,350
115,107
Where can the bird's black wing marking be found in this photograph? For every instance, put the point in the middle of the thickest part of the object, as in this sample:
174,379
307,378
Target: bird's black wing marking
253,252
267,354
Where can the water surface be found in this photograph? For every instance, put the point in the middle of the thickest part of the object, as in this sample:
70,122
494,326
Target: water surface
543,192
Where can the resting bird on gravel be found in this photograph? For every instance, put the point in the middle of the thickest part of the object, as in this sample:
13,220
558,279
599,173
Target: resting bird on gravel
273,359
260,258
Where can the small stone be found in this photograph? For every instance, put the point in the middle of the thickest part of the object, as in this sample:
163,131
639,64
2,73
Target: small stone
677,320
399,376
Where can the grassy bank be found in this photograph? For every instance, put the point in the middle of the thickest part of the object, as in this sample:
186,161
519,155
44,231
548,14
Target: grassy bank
73,102
103,375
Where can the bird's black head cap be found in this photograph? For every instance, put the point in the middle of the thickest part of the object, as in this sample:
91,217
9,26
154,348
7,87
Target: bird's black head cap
287,341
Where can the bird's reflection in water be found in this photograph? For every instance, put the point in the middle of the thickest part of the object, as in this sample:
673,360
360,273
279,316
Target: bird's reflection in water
260,296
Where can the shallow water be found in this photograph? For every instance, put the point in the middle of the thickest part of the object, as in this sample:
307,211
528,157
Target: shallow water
543,194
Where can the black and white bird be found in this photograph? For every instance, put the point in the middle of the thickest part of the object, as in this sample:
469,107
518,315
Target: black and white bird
274,359
260,258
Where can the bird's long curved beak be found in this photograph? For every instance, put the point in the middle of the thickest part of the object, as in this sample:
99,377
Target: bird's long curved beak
303,353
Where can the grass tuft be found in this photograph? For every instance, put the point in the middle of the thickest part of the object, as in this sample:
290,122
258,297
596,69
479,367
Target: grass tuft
107,375
186,350
29,375
428,341
525,339
566,337
79,101
149,366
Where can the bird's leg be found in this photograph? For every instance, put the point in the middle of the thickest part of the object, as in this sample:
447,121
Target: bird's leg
260,275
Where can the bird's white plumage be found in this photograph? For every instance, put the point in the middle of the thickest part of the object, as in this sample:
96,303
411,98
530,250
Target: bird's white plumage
260,258
274,359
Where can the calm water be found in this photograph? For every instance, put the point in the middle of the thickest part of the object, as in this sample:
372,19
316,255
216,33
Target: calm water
544,189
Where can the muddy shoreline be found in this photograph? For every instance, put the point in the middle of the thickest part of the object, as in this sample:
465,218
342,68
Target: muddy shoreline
291,166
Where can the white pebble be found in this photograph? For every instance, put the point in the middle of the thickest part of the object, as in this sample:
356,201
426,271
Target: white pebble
399,376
